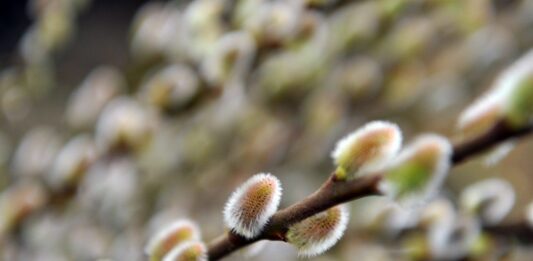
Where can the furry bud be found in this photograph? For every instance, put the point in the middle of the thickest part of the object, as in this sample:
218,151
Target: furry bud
439,212
250,207
97,89
418,171
480,116
171,237
453,241
154,29
519,107
123,123
317,234
188,251
490,199
386,217
515,85
510,99
19,201
230,59
36,151
72,162
273,23
202,26
367,149
172,88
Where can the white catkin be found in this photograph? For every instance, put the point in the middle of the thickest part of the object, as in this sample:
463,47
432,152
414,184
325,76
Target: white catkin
234,213
386,151
499,195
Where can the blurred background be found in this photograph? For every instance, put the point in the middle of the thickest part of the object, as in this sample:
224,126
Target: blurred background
118,117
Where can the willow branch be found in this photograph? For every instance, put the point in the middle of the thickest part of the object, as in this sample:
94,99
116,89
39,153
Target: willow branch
520,231
335,192
501,131
331,193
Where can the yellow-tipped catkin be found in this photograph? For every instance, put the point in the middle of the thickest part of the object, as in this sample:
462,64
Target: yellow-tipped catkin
124,123
515,86
229,60
273,22
155,28
36,151
480,116
418,171
511,98
491,199
172,88
171,237
202,27
250,207
367,149
188,251
17,202
72,162
89,99
317,234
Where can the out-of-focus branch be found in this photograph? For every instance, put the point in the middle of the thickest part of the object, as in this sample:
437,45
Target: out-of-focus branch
335,192
502,131
520,231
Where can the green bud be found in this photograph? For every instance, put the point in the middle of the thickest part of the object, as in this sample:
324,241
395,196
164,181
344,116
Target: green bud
418,171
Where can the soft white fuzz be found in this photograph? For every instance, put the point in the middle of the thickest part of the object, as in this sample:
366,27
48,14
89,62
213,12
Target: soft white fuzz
481,115
498,101
490,199
188,251
383,215
230,58
390,218
170,236
123,120
252,204
317,234
89,99
437,213
453,241
509,79
429,154
171,87
369,148
72,161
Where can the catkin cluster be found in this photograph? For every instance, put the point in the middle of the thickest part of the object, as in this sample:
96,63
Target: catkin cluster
112,142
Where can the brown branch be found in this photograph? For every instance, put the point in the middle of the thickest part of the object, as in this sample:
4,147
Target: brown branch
520,231
502,131
329,195
335,192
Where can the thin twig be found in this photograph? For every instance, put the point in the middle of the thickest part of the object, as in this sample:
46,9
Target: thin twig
520,231
335,192
502,131
329,195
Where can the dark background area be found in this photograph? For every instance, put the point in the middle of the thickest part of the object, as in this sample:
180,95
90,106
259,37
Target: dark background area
13,21
101,36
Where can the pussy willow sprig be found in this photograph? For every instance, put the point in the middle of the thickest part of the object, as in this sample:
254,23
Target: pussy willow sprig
334,192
